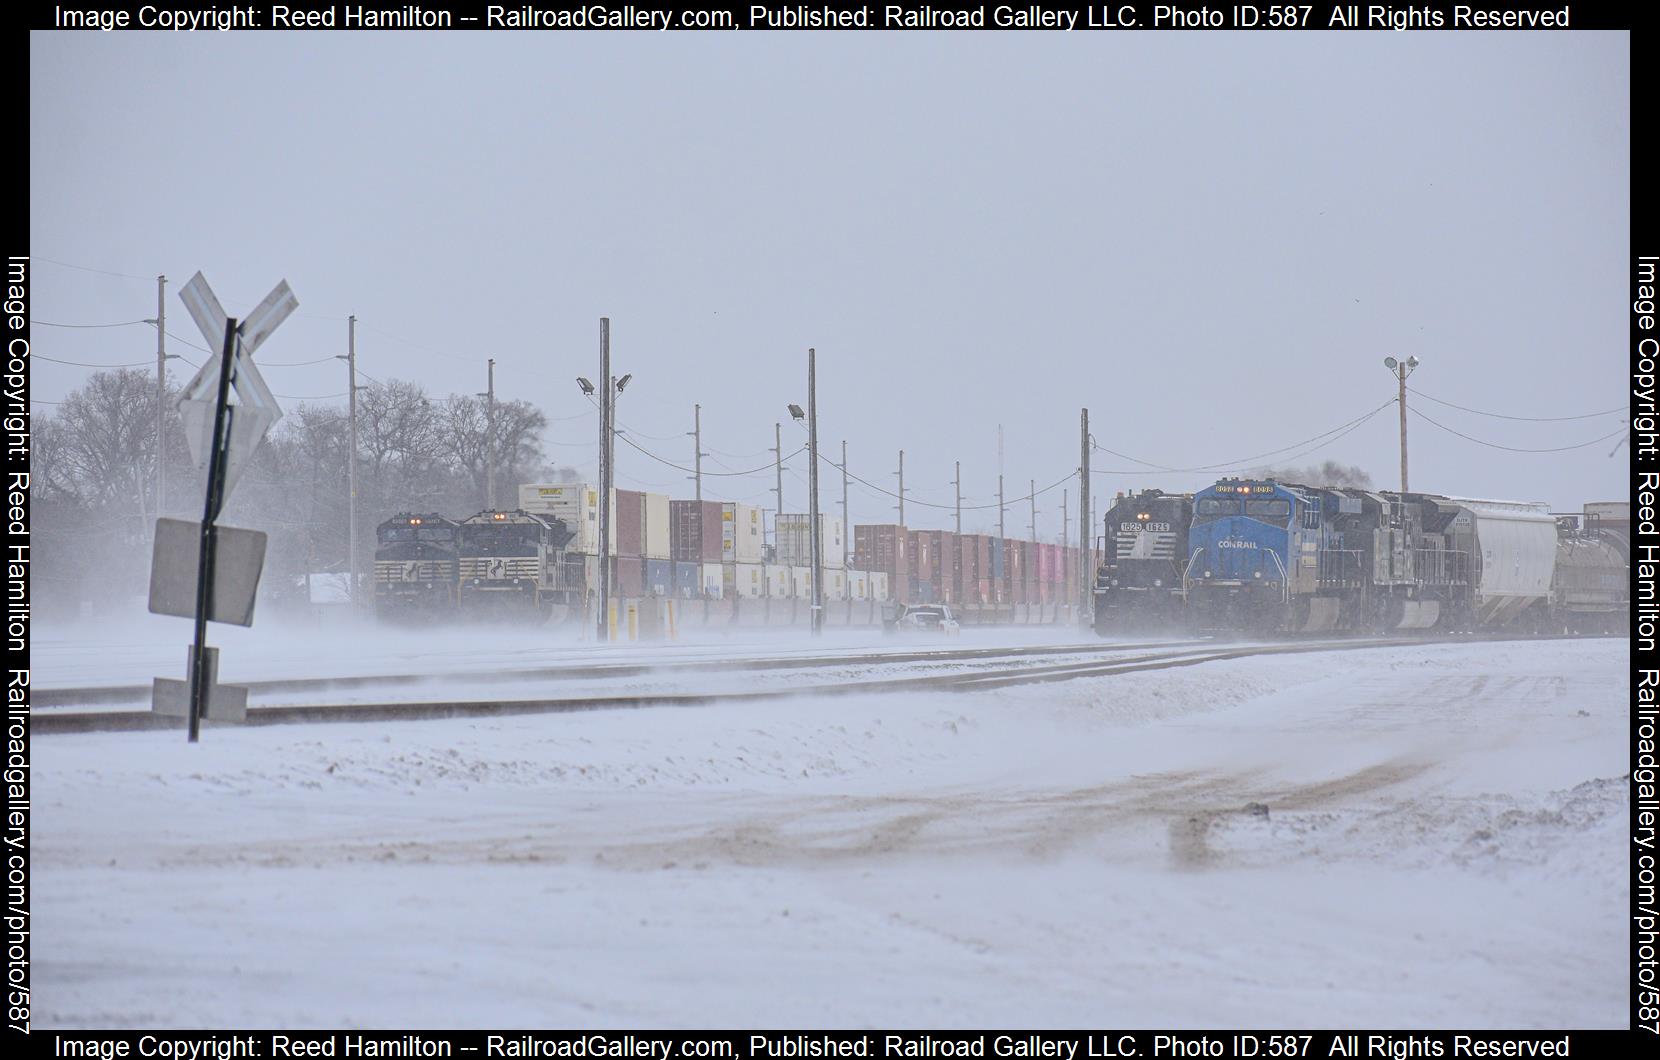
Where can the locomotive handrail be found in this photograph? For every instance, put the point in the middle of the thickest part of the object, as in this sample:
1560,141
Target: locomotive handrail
1188,570
1285,580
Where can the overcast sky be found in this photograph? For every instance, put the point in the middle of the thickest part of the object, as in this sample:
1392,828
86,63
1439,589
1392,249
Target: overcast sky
1211,241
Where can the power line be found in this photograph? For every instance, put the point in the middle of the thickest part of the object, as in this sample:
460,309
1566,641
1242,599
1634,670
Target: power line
1525,419
1322,439
1513,449
1069,476
84,364
101,272
116,324
310,397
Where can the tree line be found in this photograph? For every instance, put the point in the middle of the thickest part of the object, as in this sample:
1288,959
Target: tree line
93,481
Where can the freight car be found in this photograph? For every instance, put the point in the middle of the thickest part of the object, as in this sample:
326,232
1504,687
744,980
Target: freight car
514,564
1138,584
415,567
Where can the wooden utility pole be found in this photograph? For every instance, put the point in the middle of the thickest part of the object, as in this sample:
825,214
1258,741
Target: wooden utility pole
351,456
1086,533
958,482
847,527
697,451
901,487
778,490
490,439
161,395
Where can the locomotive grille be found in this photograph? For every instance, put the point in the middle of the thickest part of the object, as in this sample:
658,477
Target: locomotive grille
501,567
395,571
1146,544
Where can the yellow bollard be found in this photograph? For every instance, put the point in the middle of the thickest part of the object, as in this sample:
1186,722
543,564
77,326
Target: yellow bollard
611,619
633,621
671,618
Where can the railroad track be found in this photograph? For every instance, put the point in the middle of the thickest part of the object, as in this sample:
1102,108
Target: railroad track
1187,654
105,694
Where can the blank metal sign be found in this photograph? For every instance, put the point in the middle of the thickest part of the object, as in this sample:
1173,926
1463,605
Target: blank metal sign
239,558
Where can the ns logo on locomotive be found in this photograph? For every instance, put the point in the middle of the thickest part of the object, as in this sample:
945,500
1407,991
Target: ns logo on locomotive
1265,556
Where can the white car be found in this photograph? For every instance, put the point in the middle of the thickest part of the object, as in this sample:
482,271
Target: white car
932,617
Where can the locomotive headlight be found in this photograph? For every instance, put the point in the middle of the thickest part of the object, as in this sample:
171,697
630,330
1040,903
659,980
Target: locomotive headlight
1258,574
1207,573
1158,583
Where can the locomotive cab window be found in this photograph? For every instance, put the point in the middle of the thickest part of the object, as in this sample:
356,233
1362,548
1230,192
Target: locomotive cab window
1218,506
436,533
1269,509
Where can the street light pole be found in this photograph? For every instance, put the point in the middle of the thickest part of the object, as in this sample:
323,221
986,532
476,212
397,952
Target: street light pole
817,612
1402,369
697,451
602,548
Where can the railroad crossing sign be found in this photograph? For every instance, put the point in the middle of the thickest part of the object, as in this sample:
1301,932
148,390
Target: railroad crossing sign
238,558
223,435
255,410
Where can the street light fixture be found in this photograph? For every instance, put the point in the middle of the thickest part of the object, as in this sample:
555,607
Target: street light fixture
587,387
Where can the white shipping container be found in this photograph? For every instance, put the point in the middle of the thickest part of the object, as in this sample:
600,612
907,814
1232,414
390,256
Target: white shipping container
741,533
801,579
748,580
714,580
878,585
835,585
793,535
655,515
858,585
778,582
576,504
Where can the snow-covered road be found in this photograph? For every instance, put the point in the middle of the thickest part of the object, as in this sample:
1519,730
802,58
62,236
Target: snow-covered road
1393,837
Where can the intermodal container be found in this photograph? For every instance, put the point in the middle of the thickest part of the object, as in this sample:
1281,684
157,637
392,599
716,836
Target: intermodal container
747,580
659,577
630,575
881,585
793,536
630,523
577,505
688,580
777,581
858,585
881,547
742,534
695,531
656,528
714,580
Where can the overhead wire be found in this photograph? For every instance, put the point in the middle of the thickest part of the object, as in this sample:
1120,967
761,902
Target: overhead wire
1320,440
1525,419
1515,449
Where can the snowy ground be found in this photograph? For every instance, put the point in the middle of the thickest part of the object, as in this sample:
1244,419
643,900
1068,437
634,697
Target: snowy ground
1437,840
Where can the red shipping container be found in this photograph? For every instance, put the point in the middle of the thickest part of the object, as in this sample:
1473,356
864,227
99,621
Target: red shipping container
882,547
631,535
629,575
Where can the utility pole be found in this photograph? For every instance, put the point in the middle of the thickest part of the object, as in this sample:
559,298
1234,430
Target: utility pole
161,395
1066,529
958,482
351,456
1027,572
1000,508
490,442
697,451
778,490
847,527
1086,533
602,548
901,487
817,612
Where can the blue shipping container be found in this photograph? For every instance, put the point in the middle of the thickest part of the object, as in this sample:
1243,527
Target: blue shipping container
997,558
688,582
659,577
